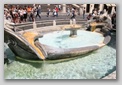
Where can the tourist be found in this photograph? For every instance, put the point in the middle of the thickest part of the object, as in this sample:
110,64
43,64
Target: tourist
24,14
21,13
32,14
113,20
48,12
68,11
95,13
73,13
54,13
56,8
6,13
38,11
29,9
89,16
84,11
59,6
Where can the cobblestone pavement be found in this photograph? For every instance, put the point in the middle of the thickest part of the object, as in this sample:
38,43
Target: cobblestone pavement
60,16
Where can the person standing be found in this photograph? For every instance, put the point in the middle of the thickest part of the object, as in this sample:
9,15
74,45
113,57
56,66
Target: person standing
48,12
59,6
21,13
73,13
84,11
56,8
68,11
29,9
54,13
25,14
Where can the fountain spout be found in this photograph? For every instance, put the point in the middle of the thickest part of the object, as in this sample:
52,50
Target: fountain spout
72,28
74,22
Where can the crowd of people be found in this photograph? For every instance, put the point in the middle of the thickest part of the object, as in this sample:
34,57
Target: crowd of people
17,14
20,14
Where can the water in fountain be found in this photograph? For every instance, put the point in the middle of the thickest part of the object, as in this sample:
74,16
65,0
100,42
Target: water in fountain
90,66
62,40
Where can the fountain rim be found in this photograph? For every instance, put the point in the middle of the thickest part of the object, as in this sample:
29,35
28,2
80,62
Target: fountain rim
36,39
91,48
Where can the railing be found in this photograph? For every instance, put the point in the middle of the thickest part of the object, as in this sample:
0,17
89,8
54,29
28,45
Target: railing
43,23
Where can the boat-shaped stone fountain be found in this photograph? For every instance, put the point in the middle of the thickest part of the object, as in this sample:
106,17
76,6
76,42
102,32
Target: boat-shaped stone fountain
69,41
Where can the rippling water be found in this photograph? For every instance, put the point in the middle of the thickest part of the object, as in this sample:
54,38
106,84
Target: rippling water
61,39
93,65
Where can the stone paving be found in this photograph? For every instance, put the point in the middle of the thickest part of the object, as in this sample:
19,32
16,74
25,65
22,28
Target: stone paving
60,16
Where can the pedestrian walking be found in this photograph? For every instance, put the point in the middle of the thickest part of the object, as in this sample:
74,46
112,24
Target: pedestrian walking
38,11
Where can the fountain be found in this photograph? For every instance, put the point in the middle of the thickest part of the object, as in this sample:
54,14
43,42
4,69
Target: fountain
72,28
68,41
56,46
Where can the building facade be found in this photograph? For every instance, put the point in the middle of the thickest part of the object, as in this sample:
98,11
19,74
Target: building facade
110,8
